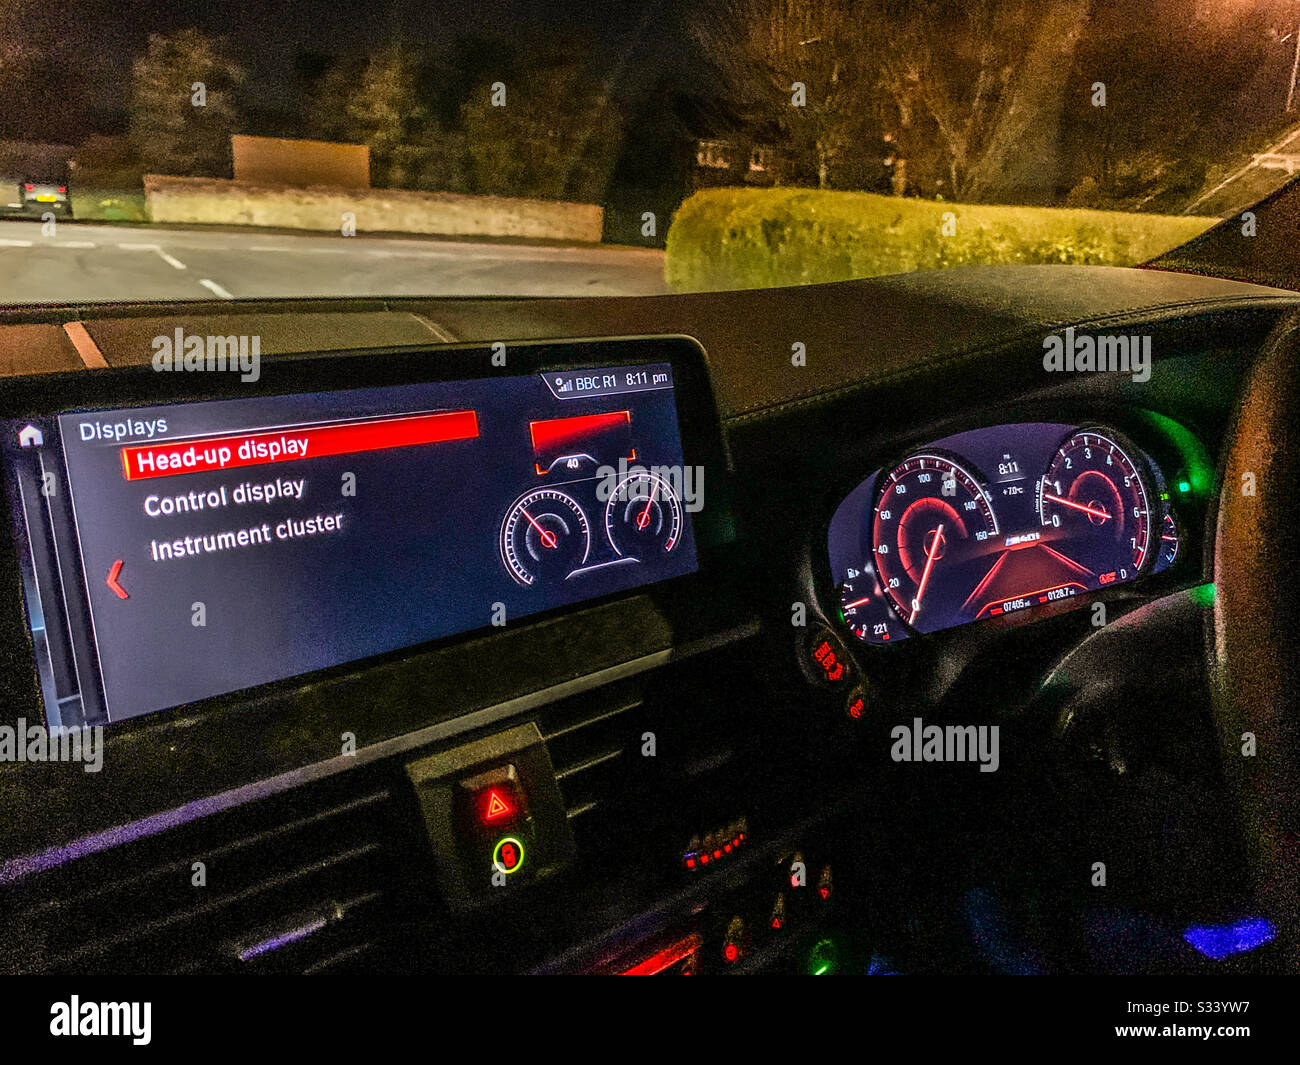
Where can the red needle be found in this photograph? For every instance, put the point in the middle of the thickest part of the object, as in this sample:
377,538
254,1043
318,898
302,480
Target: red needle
930,556
857,602
548,538
643,519
1094,511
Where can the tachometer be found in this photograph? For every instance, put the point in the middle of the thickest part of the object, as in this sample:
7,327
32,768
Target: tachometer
1095,495
643,517
931,522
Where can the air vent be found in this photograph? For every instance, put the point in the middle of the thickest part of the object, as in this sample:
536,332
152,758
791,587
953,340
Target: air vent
591,743
304,883
625,804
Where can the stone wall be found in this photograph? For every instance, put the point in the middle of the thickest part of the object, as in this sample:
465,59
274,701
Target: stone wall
215,201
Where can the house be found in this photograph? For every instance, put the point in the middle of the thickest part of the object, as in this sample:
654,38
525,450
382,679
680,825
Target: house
738,161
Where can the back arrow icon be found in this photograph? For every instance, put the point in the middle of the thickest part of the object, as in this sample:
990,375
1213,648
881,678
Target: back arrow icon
118,590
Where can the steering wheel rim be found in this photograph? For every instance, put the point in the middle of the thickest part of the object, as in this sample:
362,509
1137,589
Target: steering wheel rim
1254,626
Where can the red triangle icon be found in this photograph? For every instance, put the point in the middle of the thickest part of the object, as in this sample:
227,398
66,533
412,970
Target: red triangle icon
496,806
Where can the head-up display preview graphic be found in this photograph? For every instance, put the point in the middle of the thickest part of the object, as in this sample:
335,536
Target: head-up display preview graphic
235,542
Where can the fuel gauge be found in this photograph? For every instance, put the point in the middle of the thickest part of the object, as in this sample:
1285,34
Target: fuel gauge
866,611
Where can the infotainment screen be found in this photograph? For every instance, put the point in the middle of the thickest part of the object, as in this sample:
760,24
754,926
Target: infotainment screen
178,552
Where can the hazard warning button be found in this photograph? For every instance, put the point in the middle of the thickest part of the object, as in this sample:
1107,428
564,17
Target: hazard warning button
493,805
492,801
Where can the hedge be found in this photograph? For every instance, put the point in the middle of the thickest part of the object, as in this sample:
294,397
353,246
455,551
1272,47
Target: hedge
757,238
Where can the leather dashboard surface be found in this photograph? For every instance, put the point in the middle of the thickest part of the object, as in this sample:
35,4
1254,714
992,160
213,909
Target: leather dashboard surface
855,333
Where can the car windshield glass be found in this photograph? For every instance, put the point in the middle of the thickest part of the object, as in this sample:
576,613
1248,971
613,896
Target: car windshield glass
563,147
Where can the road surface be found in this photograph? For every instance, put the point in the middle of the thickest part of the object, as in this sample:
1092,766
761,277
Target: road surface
1258,175
84,262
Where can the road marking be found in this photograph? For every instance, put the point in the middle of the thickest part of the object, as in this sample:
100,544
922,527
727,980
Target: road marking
170,260
15,243
212,286
311,251
1237,175
73,244
455,250
439,331
86,346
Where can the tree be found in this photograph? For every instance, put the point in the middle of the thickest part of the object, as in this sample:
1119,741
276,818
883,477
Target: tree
799,74
385,113
981,79
327,95
1181,96
183,107
968,96
383,102
556,134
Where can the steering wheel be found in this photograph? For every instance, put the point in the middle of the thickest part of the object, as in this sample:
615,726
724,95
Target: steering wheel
1254,625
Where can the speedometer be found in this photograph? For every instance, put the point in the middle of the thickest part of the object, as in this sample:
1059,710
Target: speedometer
1095,495
930,527
996,521
544,537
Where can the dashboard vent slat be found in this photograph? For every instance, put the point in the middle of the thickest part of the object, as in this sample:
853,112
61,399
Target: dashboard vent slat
285,887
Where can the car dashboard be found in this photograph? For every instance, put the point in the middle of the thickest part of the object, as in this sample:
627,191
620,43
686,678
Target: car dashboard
571,635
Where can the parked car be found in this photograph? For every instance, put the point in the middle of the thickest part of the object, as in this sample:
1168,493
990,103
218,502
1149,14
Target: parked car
38,195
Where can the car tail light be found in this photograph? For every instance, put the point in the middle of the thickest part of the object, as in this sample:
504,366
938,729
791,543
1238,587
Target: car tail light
63,188
29,187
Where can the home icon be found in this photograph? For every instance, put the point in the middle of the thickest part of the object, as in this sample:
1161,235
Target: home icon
30,437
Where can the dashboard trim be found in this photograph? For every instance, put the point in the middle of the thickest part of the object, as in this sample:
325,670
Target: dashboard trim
13,870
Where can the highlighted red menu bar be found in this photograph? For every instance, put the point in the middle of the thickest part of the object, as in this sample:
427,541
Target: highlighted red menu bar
289,445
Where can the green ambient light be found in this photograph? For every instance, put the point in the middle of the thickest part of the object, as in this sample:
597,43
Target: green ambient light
823,958
1197,471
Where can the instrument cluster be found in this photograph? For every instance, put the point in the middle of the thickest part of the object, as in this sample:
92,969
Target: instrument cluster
994,521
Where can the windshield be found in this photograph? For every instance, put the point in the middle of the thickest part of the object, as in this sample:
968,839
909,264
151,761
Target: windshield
572,147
